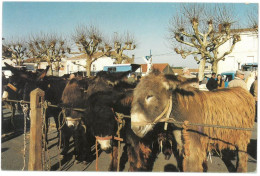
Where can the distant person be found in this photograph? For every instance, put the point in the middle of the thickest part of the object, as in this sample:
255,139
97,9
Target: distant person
138,78
253,88
186,73
238,80
131,79
250,79
220,82
253,91
72,76
205,80
212,82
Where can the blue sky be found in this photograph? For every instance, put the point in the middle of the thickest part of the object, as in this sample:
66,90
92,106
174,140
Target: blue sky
147,21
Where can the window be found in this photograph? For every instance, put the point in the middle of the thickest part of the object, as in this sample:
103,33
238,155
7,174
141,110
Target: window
112,69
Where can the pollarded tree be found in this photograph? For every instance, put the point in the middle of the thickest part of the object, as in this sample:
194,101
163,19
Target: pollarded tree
252,18
14,49
47,47
121,44
90,43
200,30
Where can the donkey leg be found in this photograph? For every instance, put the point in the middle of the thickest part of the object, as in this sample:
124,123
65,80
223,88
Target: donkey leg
114,159
12,115
195,160
132,158
242,160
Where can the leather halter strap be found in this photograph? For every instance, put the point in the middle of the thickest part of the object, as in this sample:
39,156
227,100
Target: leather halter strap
108,138
167,111
12,87
72,119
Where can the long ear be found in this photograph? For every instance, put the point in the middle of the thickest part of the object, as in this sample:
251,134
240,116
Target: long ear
16,71
171,82
43,73
174,82
186,85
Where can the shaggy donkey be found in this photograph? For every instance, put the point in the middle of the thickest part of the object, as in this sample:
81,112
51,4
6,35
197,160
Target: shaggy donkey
228,107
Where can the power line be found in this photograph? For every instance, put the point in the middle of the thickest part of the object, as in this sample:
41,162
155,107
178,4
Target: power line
140,57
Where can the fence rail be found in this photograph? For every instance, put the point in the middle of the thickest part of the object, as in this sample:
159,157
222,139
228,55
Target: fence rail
170,120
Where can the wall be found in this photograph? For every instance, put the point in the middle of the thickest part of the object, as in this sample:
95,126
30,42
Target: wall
75,65
245,51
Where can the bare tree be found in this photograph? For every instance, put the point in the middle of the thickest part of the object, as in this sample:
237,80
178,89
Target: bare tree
14,49
121,44
47,47
252,18
89,41
199,30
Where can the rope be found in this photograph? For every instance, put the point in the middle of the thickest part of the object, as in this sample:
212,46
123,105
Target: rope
96,156
120,126
181,123
60,127
25,110
186,143
168,113
147,123
12,87
104,138
44,107
48,103
62,112
16,101
192,124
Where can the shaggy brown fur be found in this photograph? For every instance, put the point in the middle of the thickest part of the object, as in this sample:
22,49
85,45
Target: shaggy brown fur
227,107
139,157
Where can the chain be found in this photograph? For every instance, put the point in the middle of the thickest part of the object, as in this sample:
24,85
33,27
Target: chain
60,127
25,112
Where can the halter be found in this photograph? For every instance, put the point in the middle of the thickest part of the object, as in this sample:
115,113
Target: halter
66,119
12,87
104,138
167,111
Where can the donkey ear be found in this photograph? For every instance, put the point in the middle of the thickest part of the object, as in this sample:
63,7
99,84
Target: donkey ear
43,73
17,72
186,85
171,82
174,82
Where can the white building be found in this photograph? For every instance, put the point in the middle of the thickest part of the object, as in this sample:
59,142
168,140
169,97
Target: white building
76,64
67,65
245,51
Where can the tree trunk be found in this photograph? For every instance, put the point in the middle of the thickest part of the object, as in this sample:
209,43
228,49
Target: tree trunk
202,68
88,67
215,66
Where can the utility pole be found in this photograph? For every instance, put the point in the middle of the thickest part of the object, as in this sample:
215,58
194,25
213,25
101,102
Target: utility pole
148,60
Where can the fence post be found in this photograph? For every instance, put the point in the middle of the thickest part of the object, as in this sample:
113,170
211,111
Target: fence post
35,150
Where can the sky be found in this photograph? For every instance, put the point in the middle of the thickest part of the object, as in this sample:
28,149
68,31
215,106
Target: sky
147,21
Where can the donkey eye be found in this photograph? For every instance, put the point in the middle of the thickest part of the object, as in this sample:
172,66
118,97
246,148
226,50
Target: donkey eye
149,97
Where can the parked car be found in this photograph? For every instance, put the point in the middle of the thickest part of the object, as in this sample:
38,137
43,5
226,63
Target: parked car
227,77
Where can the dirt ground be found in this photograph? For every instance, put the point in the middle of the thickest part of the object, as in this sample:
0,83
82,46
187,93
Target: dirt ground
12,147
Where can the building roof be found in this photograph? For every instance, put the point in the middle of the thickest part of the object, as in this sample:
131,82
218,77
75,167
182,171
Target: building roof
194,70
159,67
177,71
243,30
